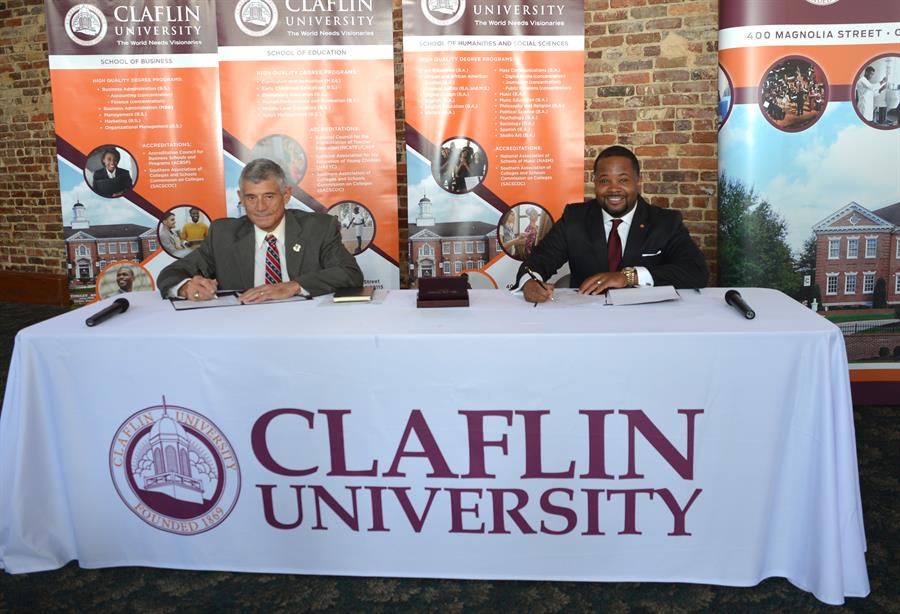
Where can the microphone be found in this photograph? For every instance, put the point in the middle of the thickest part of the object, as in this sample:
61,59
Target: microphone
734,298
120,305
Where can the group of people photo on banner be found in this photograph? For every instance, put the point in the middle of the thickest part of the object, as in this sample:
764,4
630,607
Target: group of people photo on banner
357,225
286,151
794,93
876,92
522,228
460,166
182,229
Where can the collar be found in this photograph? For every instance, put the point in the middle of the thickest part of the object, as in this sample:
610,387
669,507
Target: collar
260,234
626,219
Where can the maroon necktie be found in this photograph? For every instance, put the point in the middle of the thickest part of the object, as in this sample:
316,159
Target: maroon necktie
273,262
614,255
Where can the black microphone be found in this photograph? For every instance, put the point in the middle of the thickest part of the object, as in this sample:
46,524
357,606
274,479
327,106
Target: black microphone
734,298
120,305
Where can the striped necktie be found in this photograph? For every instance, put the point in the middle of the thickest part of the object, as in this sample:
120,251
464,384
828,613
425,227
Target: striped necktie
273,262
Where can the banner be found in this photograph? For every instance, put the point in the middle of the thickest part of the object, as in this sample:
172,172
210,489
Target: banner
311,86
494,133
136,108
809,152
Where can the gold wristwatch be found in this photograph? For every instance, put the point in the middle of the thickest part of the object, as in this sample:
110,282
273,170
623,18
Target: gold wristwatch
630,276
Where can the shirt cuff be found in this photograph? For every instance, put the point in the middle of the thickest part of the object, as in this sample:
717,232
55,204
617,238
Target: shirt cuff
644,276
173,291
523,280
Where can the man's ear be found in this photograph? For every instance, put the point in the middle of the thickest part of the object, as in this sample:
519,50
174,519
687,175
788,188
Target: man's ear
287,193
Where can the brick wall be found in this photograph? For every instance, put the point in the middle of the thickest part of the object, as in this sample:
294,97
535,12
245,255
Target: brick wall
30,217
650,83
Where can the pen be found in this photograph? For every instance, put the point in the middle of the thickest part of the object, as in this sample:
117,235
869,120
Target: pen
542,284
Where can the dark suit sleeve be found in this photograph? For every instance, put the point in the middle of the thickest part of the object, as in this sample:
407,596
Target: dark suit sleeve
550,254
337,268
683,264
123,180
201,261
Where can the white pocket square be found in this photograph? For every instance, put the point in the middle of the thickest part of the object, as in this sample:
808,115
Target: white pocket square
656,254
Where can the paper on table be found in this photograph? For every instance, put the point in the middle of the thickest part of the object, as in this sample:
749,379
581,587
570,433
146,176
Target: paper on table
229,299
641,295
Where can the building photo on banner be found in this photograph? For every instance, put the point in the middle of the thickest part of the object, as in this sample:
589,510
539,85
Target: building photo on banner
683,224
809,152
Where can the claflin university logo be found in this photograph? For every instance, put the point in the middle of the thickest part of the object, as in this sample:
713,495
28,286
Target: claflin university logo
822,2
256,17
452,10
85,25
175,469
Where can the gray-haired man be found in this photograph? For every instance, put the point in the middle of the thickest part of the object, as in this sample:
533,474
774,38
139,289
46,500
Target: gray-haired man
269,254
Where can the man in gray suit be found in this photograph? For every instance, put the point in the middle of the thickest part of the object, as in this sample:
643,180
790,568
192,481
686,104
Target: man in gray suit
269,254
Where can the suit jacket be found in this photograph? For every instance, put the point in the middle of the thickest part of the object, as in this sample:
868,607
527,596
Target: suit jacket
657,240
227,254
104,186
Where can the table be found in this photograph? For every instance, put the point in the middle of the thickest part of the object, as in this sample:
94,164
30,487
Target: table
667,442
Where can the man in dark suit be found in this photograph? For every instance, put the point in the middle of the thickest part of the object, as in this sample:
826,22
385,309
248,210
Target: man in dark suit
111,181
652,245
270,253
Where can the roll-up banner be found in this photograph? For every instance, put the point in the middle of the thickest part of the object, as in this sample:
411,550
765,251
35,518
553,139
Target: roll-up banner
310,85
136,107
809,163
494,133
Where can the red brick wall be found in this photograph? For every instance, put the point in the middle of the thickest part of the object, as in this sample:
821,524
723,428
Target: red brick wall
650,78
30,216
650,84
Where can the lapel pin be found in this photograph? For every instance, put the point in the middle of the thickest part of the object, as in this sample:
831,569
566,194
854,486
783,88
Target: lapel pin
642,226
296,247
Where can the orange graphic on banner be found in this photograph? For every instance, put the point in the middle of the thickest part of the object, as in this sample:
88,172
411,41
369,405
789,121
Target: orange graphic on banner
515,105
165,119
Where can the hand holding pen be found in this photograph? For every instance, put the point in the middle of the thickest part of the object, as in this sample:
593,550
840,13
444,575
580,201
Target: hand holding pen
536,292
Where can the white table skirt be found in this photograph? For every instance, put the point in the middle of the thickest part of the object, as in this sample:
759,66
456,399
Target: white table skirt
666,442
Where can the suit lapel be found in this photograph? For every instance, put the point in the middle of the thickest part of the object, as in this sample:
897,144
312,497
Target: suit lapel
293,230
244,249
636,234
597,234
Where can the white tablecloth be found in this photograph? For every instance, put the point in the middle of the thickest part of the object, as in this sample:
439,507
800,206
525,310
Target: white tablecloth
666,442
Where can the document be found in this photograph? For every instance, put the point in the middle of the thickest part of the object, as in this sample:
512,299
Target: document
641,295
225,299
